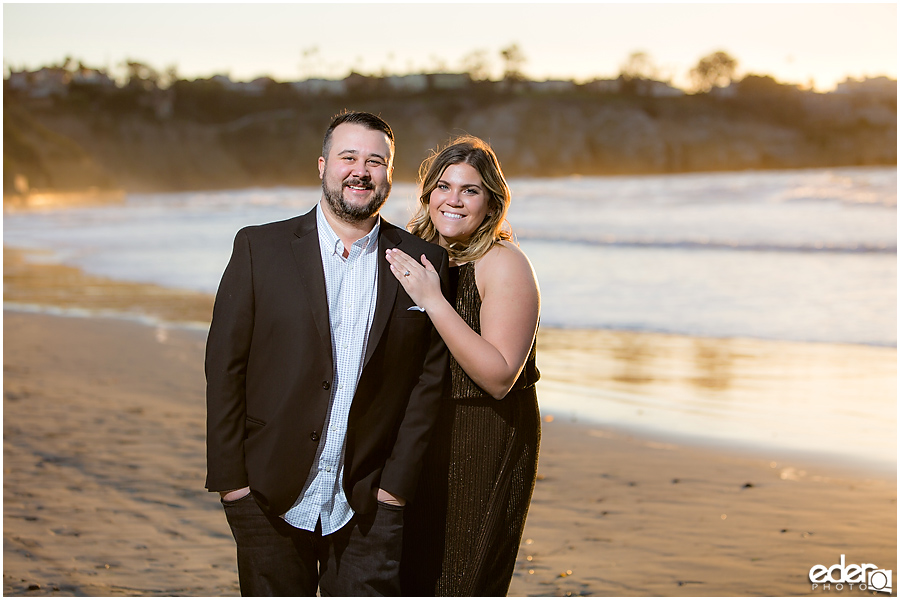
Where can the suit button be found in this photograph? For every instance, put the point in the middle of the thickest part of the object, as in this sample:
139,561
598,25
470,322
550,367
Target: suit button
314,436
326,385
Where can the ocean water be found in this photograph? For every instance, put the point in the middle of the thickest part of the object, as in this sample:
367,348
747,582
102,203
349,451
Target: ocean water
787,256
808,255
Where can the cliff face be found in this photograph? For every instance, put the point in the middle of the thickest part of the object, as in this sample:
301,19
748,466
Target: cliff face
197,144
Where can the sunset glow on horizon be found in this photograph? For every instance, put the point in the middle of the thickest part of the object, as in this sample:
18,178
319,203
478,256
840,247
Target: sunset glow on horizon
812,45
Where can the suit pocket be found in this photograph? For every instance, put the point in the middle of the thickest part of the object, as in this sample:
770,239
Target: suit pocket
251,422
405,307
252,427
409,313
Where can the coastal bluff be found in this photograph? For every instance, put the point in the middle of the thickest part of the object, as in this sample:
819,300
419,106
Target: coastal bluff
191,137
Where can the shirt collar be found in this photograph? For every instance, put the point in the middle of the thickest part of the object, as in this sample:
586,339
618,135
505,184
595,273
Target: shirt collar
332,242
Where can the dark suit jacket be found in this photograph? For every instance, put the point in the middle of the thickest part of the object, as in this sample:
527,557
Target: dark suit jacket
269,369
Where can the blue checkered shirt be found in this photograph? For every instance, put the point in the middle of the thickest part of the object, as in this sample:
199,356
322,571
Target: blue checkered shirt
351,286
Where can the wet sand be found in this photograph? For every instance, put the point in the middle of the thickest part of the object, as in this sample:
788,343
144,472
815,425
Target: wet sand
29,283
104,462
787,398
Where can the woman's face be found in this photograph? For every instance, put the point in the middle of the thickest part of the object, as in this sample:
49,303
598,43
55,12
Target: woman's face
458,204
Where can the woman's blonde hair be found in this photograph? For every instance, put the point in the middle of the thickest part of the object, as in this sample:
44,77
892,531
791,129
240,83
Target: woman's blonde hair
477,154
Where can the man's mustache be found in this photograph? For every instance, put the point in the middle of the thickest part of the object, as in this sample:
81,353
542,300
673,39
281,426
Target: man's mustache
363,183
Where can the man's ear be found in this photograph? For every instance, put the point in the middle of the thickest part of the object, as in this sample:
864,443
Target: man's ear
321,167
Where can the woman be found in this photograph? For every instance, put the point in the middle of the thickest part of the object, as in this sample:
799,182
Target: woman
462,531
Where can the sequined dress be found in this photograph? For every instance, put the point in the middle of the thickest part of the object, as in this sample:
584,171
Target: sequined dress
462,532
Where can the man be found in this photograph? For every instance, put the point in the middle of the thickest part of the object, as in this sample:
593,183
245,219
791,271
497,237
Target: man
323,383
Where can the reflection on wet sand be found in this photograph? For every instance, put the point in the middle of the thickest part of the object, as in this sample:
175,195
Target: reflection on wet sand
807,397
714,362
635,354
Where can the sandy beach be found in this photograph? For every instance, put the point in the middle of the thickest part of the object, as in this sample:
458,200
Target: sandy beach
104,464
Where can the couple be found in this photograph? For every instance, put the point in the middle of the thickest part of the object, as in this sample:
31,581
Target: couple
333,400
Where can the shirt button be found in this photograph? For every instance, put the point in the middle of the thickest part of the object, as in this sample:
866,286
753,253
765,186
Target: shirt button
326,385
314,436
328,469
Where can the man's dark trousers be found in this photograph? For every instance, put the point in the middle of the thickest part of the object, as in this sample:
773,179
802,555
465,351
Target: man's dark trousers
275,559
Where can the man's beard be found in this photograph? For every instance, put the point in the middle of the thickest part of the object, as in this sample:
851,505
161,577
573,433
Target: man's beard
348,212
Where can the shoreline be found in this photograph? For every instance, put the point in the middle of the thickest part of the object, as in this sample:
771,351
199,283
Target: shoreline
103,489
53,199
650,385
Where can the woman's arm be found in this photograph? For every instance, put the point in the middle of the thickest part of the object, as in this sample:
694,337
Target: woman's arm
509,314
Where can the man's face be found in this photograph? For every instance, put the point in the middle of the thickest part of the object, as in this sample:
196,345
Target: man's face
356,174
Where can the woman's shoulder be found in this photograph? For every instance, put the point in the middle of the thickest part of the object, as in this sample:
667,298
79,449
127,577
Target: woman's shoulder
504,255
505,260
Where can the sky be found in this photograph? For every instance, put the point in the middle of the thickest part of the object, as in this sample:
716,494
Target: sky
814,45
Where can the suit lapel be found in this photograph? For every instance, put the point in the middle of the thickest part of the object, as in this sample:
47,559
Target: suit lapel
387,288
308,257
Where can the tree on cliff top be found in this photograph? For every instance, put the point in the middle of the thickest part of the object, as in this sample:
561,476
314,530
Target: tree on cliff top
638,65
715,70
477,64
514,59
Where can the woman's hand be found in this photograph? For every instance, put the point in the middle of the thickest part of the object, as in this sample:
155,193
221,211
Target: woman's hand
421,281
510,308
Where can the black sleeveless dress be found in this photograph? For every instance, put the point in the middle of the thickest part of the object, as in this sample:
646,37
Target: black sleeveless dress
463,529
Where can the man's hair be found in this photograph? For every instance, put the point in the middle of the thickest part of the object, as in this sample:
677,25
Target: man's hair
367,120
